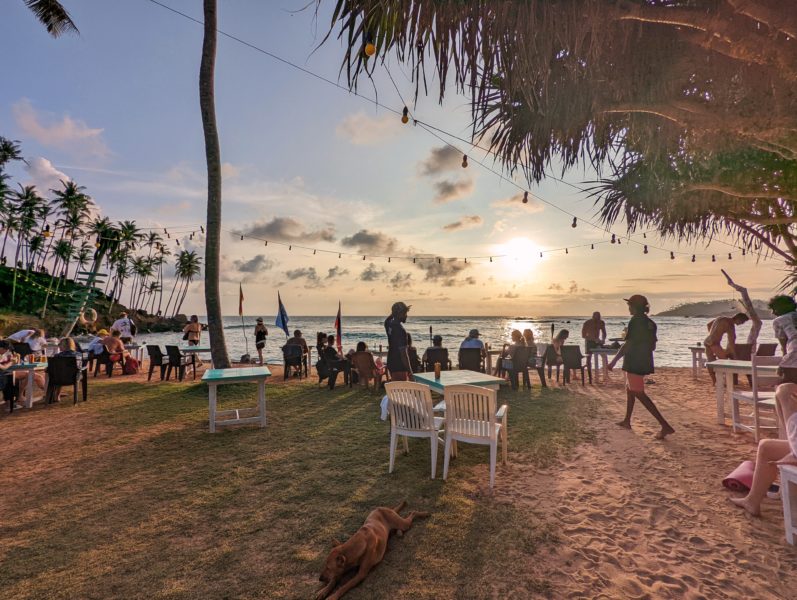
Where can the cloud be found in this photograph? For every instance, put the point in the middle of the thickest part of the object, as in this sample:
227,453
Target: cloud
336,272
440,160
363,130
509,295
572,288
556,287
448,191
66,134
309,274
44,175
442,270
257,264
515,203
370,242
400,280
372,273
229,171
466,222
287,229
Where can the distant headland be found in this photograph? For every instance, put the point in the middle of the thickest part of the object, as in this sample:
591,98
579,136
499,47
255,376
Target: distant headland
715,308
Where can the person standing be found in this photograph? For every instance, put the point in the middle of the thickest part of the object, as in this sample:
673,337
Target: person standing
637,355
193,331
785,325
593,332
261,334
717,329
398,359
126,328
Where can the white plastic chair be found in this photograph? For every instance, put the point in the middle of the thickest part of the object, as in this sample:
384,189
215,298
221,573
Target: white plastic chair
471,417
788,493
759,400
411,415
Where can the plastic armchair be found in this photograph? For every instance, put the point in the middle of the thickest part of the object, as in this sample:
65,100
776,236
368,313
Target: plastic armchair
178,361
470,359
411,415
63,371
471,417
435,355
156,359
363,363
573,360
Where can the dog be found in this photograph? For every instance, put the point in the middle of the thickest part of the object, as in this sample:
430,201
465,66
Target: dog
364,550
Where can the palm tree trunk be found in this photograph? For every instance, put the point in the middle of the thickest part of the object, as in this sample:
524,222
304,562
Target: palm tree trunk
207,105
174,287
5,239
182,299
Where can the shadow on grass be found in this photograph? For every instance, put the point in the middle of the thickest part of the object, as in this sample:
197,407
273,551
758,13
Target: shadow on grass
176,512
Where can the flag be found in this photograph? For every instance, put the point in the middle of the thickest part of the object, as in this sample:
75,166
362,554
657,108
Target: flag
282,316
338,331
240,300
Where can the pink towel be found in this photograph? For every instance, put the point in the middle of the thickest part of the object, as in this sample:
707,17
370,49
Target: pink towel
741,478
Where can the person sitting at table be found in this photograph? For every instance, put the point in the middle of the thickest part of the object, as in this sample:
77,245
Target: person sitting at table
553,356
335,363
68,348
473,341
785,325
508,351
528,338
593,332
771,453
437,343
35,338
113,343
7,359
298,340
717,329
412,351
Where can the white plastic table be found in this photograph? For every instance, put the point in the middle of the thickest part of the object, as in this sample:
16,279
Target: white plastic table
136,351
197,350
462,377
698,360
31,368
599,355
725,370
217,377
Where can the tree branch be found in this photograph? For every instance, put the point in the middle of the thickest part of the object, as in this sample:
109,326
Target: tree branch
752,337
763,239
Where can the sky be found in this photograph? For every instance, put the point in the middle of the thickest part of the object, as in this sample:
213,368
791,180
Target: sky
308,164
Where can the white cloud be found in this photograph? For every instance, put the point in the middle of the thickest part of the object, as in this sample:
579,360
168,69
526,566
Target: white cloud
44,175
363,130
66,134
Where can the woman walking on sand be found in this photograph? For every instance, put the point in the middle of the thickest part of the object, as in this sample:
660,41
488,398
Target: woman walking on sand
637,355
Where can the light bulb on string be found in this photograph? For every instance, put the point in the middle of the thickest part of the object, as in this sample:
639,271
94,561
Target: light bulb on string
743,252
202,229
567,251
439,260
405,115
313,252
413,261
242,238
46,233
713,258
618,241
592,246
338,255
464,161
574,224
290,247
466,261
363,256
644,236
540,254
525,197
266,243
614,239
369,48
164,230
693,258
178,242
730,257
388,259
491,259
646,249
672,255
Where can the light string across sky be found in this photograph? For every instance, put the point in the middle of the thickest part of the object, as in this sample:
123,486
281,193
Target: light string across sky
435,131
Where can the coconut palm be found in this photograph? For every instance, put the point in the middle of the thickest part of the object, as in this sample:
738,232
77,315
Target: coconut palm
207,105
163,253
188,268
53,16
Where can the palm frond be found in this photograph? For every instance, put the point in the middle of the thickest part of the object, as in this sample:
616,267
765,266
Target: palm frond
53,16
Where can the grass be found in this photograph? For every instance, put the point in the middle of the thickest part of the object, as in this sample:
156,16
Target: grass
129,496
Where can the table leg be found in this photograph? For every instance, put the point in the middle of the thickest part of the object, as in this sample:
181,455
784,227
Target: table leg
212,407
719,390
694,365
605,359
29,392
489,363
261,401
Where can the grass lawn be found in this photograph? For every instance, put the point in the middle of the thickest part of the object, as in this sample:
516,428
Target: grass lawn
128,496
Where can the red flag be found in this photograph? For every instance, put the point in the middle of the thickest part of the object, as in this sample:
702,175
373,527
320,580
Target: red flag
339,330
240,300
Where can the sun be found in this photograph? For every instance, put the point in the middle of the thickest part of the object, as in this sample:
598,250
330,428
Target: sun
520,256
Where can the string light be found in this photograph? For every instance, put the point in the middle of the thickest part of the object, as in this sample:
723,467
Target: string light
540,254
730,257
338,255
266,242
363,256
439,260
693,258
466,260
646,249
46,233
405,115
743,252
525,197
713,258
369,49
242,238
290,247
644,235
313,252
672,255
388,259
592,246
202,229
464,161
575,223
491,259
567,251
614,239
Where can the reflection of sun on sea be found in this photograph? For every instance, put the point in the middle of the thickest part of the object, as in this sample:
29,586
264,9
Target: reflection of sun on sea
520,257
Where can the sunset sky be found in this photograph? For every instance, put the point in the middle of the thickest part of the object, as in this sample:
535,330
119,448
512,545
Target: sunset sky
116,109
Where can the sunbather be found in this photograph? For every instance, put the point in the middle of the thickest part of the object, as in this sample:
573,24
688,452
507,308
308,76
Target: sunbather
773,452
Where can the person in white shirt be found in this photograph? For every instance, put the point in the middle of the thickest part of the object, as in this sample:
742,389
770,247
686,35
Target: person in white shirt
32,337
95,345
124,326
785,325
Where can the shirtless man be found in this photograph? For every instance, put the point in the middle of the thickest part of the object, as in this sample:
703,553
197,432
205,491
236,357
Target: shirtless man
717,329
594,332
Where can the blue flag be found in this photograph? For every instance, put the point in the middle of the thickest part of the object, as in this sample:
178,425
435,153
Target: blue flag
282,316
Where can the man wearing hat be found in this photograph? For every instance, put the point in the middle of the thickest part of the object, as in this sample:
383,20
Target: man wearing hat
637,355
473,341
95,345
398,359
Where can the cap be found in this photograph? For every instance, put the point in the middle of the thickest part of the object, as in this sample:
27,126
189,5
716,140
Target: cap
637,300
399,307
473,333
260,319
102,332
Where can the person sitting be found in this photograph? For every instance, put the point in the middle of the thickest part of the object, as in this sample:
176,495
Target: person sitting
473,341
594,332
717,329
438,353
770,453
509,351
35,338
298,340
68,348
7,359
412,351
362,361
335,363
553,356
528,338
113,343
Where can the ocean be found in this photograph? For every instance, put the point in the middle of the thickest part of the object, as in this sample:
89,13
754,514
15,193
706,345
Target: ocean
675,333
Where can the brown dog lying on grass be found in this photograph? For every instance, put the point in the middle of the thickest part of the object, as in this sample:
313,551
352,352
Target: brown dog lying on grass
365,549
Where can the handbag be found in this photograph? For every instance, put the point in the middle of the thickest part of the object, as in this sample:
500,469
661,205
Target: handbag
185,336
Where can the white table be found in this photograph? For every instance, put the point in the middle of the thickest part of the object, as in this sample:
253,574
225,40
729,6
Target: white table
725,370
136,351
599,355
217,377
198,350
462,377
698,360
30,368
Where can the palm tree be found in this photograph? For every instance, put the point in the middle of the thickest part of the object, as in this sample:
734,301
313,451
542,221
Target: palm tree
189,267
29,207
53,16
160,260
207,105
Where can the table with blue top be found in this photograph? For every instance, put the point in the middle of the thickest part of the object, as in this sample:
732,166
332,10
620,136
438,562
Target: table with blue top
31,368
461,377
217,377
197,350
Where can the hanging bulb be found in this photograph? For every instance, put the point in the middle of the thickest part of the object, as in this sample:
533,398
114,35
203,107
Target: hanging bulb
713,258
743,252
405,118
413,261
644,236
369,49
164,230
363,256
388,259
290,247
338,255
567,251
525,197
46,233
574,224
693,258
540,254
313,252
646,249
191,237
614,239
729,256
592,246
618,241
242,238
491,259
202,229
178,242
466,261
672,255
266,243
168,236
464,161
438,260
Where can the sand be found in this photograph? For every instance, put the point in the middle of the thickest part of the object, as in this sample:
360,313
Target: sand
641,518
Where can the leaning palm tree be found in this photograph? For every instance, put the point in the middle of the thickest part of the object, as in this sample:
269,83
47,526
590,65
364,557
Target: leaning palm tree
207,105
189,268
53,16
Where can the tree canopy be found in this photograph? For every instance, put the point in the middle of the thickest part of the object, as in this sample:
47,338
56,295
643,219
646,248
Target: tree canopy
686,108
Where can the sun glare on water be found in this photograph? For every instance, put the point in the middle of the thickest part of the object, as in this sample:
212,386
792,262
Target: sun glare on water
520,257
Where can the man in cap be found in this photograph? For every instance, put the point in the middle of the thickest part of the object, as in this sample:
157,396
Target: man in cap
398,359
473,341
637,355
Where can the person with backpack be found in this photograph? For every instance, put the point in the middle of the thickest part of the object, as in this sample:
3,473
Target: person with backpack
126,328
